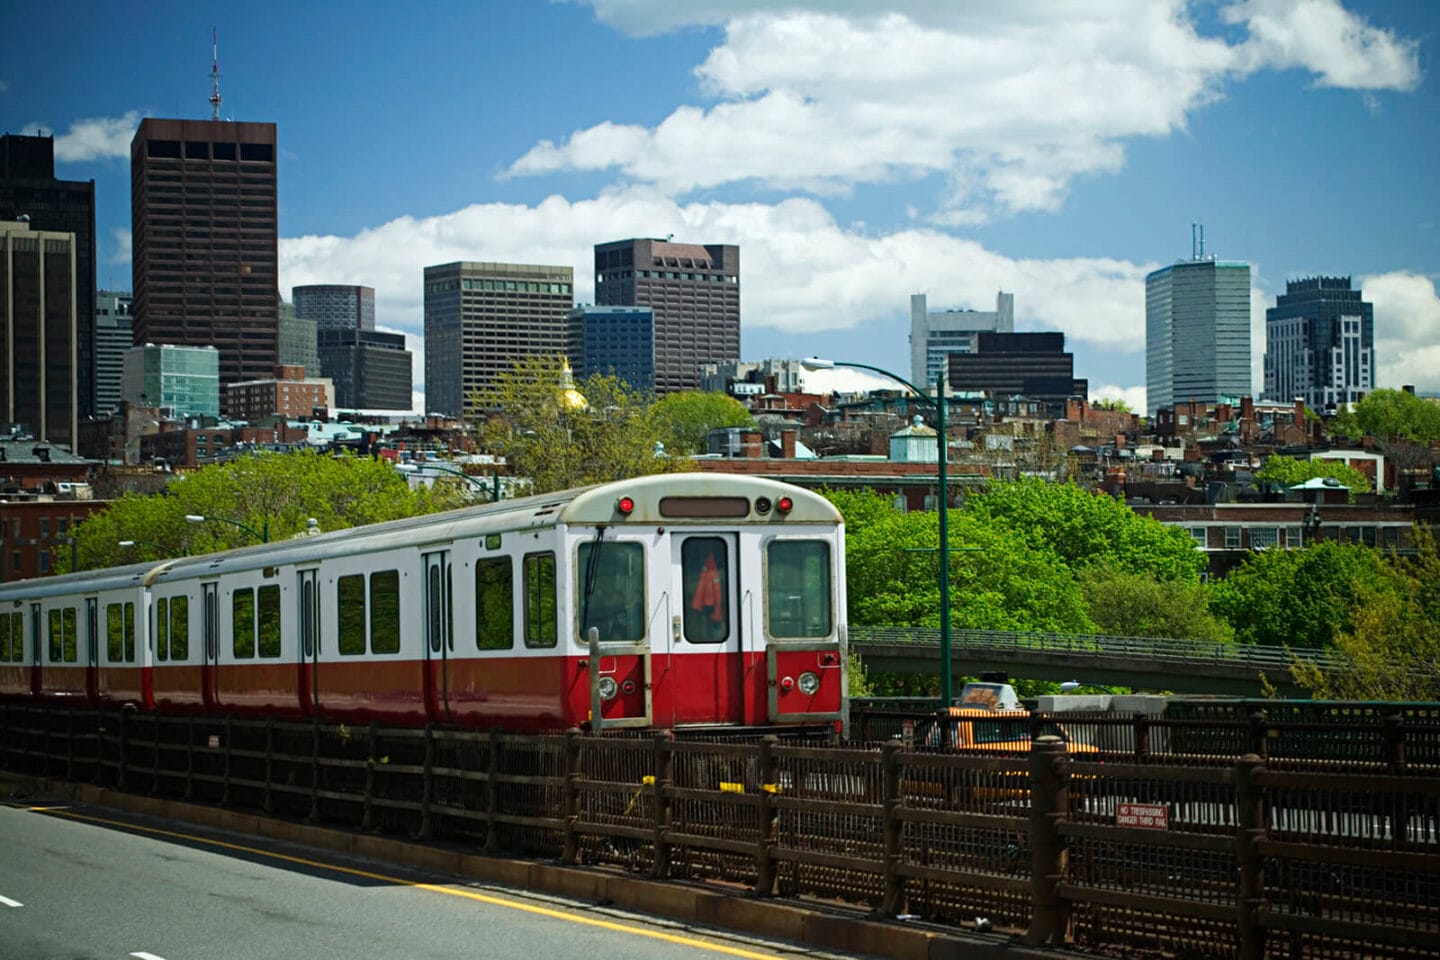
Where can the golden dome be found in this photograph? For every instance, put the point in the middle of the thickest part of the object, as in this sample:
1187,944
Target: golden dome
571,399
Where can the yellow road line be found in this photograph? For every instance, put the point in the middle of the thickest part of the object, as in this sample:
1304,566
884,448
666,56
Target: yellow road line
432,888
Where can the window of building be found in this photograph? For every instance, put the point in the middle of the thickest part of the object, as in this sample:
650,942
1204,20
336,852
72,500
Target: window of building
1200,535
1263,538
1232,538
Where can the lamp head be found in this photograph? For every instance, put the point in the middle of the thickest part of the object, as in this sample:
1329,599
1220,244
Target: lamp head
194,518
817,363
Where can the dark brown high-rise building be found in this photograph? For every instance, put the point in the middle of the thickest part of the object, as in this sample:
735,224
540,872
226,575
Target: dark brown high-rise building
28,189
204,231
693,290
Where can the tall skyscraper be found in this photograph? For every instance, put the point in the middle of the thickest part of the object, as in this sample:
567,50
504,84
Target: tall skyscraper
39,331
204,240
617,341
28,188
482,317
1320,343
113,336
694,291
934,335
299,341
1197,332
336,306
371,370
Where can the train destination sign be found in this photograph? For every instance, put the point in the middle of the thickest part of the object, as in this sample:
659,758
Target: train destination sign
1146,816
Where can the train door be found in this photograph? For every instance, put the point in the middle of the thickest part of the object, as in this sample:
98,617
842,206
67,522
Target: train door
92,649
708,664
35,638
308,612
210,611
439,635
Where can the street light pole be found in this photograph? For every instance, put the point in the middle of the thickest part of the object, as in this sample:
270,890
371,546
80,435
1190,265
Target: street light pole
263,534
943,452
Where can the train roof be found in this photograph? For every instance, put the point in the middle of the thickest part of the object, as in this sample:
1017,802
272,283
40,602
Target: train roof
83,581
584,506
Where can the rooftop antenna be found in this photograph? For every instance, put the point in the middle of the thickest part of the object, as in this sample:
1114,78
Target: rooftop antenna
214,74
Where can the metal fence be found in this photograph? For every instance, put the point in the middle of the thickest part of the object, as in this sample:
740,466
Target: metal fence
1238,858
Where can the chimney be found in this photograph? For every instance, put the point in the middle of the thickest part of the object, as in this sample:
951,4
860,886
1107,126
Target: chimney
787,444
1299,411
750,444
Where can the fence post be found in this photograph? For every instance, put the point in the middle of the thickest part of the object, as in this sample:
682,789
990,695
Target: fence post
1049,806
314,814
492,795
1142,737
122,754
367,819
1258,745
571,797
427,795
766,828
664,768
225,781
892,903
1394,725
269,805
190,757
1250,878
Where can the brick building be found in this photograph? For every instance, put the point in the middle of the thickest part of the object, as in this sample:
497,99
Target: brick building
288,394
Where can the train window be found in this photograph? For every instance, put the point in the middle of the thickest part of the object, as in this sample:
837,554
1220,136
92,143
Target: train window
269,622
350,595
114,633
494,604
70,652
180,628
385,611
704,571
54,636
540,627
611,586
5,654
242,624
162,629
492,541
797,588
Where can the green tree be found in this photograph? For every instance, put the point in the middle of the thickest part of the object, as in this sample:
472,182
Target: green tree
1082,528
685,419
1303,598
1289,471
1130,603
1388,415
276,493
1111,403
998,582
1393,639
557,435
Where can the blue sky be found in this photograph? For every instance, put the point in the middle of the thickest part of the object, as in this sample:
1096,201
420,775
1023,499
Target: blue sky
858,151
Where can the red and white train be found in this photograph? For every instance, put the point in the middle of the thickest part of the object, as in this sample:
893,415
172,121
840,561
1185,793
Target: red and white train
670,601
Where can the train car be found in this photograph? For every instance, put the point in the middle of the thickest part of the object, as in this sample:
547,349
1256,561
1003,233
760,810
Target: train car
78,637
672,601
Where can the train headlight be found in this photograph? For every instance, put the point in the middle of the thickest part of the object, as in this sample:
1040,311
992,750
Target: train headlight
762,504
607,688
809,683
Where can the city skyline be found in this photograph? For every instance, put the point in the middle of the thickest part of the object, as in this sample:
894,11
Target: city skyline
951,152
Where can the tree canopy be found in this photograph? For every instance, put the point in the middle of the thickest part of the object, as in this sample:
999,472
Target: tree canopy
1129,603
558,436
1388,415
1289,471
686,418
1084,528
1393,637
1306,597
246,498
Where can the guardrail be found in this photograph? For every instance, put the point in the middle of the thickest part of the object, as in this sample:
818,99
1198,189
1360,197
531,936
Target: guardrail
1179,652
1057,848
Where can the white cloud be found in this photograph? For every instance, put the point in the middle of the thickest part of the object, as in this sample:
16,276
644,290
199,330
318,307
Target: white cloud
94,138
1134,397
993,97
1407,330
1323,37
122,239
802,272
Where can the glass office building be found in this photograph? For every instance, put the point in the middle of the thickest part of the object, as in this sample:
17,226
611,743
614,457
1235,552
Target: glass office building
181,381
1197,333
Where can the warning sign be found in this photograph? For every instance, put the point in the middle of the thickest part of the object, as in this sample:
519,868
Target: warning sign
1146,816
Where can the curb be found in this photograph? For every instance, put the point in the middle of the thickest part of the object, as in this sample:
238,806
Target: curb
675,900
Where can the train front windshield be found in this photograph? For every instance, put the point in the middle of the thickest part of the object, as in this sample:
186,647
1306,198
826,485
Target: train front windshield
612,591
798,581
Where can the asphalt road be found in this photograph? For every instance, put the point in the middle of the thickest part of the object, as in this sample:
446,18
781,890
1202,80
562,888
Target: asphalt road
82,883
